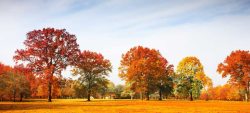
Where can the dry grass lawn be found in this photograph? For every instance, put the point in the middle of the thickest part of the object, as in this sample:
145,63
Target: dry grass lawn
124,106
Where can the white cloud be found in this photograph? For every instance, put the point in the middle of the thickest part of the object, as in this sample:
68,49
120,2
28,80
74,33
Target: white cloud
206,29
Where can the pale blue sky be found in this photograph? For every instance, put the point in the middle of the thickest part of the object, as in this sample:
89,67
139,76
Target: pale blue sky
207,29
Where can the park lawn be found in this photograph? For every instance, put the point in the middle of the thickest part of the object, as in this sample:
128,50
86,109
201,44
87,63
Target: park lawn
124,106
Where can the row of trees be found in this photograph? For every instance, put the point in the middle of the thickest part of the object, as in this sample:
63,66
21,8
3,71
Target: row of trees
225,92
146,72
17,83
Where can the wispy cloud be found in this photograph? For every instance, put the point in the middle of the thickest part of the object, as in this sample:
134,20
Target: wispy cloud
208,29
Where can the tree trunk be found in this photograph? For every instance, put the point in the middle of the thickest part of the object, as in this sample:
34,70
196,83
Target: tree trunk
147,95
14,95
89,94
207,98
131,96
247,91
160,94
21,97
141,96
49,91
191,96
246,96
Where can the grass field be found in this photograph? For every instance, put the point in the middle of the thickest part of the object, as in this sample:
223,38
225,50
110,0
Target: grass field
123,106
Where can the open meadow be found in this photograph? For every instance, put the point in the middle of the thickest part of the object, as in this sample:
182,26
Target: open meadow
124,106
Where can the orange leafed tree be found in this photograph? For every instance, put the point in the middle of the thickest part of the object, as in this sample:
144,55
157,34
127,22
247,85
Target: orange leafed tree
47,52
92,68
27,80
237,66
142,67
4,71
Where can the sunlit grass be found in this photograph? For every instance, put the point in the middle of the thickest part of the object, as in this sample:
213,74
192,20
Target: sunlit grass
123,106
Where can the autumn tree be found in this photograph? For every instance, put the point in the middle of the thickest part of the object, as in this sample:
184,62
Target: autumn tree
47,52
66,86
118,90
92,68
128,92
237,67
142,68
165,82
79,89
4,80
191,77
14,82
24,81
224,92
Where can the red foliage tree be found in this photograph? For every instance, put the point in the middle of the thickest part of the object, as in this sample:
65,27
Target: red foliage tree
143,68
47,52
237,66
92,68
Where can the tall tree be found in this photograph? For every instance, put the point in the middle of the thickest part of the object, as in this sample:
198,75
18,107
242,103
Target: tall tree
142,67
92,68
237,66
191,76
47,52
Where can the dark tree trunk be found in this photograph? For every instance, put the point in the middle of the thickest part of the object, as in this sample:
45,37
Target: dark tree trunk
147,95
14,95
160,94
89,92
248,84
49,91
191,96
89,95
21,97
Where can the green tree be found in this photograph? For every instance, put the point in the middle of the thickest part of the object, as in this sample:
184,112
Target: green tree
190,77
